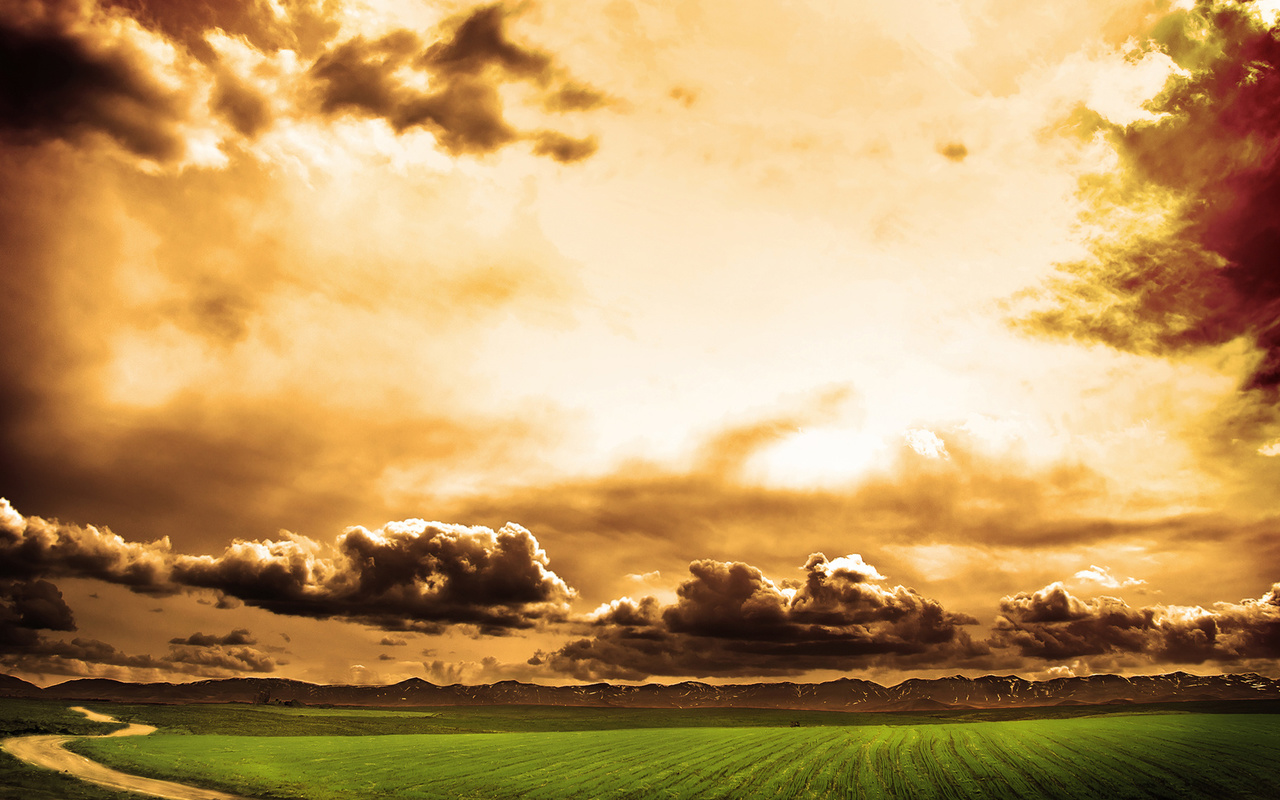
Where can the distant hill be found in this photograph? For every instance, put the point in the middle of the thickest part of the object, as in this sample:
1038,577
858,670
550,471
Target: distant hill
845,694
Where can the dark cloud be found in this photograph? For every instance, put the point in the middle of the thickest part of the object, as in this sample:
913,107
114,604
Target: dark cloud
223,657
411,575
392,641
1211,159
357,74
241,105
33,547
463,109
58,83
1052,625
85,656
731,620
30,606
239,636
953,151
574,96
480,42
562,148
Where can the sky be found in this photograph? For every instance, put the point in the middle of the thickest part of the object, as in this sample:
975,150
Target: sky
354,341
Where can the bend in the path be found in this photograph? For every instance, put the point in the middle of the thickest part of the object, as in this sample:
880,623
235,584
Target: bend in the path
49,752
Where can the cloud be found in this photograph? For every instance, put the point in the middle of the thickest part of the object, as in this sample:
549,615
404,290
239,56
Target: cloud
463,109
30,606
239,636
32,547
562,148
644,517
57,82
1103,577
574,96
1186,259
926,443
1051,624
729,619
392,641
226,653
84,656
300,25
409,575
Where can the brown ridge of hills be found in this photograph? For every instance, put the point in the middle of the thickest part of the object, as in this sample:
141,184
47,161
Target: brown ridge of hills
845,694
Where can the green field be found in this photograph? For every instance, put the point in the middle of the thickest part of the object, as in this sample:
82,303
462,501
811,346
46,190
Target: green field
616,753
21,782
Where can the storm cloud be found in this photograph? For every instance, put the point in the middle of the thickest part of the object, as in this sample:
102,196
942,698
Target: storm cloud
732,620
1051,624
30,606
409,575
59,83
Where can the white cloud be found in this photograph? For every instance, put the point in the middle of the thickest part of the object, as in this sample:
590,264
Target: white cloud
926,443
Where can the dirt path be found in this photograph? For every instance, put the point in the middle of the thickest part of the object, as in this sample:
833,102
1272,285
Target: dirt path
48,752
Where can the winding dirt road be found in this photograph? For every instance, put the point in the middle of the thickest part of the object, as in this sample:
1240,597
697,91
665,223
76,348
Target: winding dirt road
48,752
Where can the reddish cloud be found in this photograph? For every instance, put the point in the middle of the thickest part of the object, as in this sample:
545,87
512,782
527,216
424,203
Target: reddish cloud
1211,156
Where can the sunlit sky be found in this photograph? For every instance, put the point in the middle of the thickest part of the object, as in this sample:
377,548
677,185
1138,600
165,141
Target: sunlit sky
361,341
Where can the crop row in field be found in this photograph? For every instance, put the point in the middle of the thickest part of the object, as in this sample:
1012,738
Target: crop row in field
1152,756
238,719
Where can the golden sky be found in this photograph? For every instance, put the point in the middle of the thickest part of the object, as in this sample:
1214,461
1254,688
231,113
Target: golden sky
361,340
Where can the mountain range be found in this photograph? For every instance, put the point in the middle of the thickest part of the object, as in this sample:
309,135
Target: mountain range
845,694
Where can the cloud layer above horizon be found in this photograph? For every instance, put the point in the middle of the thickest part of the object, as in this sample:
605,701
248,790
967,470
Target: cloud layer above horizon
729,340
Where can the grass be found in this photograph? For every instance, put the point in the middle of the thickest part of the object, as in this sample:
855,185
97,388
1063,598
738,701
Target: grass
237,719
718,754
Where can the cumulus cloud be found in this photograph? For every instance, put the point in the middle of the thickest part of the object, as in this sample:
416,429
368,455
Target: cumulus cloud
33,547
730,619
1053,625
1189,260
463,107
410,575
